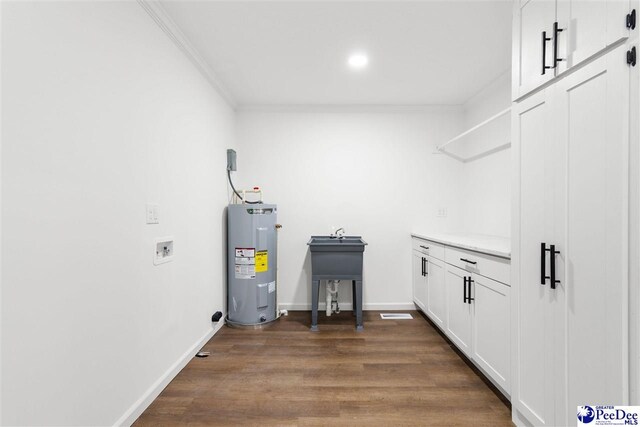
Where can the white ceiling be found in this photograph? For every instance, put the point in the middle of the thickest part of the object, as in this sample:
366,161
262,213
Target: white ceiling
295,52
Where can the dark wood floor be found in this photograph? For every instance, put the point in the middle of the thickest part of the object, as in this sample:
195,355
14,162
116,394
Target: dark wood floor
396,372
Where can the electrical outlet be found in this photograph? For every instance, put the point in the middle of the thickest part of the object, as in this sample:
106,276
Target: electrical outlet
152,214
442,213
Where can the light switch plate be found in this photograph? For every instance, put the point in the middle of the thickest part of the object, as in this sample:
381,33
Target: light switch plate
442,212
152,214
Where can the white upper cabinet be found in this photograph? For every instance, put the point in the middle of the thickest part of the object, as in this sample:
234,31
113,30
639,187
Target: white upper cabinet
532,44
586,27
550,37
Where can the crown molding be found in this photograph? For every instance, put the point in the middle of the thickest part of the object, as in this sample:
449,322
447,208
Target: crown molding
171,29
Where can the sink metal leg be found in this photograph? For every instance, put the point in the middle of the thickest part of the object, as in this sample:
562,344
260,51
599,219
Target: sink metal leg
315,295
353,293
358,303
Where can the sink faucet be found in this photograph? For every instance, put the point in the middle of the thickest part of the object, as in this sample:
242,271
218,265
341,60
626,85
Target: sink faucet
339,233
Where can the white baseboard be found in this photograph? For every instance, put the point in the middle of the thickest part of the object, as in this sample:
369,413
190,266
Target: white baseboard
132,414
348,306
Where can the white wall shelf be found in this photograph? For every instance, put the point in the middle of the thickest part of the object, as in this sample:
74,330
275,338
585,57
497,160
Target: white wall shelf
440,149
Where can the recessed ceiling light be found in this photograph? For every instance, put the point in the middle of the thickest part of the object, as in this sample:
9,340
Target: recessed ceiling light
358,60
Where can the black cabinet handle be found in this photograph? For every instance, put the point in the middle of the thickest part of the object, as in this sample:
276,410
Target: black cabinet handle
464,287
543,261
466,260
469,299
422,272
631,56
545,39
556,31
552,264
631,20
424,247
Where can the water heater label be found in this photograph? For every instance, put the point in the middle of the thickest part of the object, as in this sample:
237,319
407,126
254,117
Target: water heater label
245,265
262,261
245,271
245,252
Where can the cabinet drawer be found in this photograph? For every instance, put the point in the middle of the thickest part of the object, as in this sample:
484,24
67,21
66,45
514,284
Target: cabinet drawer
486,265
427,247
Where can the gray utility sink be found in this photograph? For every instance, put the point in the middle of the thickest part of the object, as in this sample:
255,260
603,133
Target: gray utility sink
325,241
336,258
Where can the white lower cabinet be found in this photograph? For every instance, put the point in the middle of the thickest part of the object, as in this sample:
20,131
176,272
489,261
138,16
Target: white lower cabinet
472,310
436,291
459,308
419,280
491,329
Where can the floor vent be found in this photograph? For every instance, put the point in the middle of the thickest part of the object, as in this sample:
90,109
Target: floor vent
395,316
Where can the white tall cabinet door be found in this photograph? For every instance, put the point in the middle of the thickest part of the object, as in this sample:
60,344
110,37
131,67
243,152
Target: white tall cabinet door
419,280
589,26
531,18
592,235
491,327
436,296
532,302
459,312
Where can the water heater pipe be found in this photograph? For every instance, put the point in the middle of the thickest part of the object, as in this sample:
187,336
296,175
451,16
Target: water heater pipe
242,198
278,311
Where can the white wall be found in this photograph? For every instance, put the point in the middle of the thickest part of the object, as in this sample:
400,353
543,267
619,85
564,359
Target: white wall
1,133
101,114
369,171
487,177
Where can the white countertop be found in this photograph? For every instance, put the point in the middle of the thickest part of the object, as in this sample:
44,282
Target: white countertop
492,245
